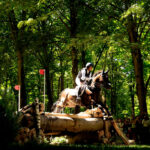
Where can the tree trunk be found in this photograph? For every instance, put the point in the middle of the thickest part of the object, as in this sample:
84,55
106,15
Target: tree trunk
58,90
74,65
83,57
48,89
132,101
138,66
21,78
113,89
61,77
73,32
19,51
131,89
6,87
113,102
52,84
62,81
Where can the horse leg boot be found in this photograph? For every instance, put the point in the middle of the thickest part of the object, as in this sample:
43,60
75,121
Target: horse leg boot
78,94
105,107
105,116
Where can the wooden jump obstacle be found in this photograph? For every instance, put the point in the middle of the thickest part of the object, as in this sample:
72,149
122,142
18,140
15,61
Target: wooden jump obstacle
46,123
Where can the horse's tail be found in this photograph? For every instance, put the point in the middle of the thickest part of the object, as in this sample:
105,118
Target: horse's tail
58,105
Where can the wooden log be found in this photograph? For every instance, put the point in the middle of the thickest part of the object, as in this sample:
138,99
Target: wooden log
107,125
52,133
67,115
27,106
28,110
68,124
121,134
37,119
31,108
89,113
52,123
90,120
27,120
23,135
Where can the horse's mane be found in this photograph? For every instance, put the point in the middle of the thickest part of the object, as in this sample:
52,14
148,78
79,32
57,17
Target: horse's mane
96,73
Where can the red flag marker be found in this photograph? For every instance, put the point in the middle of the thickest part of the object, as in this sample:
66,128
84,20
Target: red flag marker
17,87
42,71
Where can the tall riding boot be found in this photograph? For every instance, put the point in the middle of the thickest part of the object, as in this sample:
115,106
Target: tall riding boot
78,95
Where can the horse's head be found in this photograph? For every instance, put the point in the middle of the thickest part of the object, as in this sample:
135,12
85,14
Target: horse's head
100,79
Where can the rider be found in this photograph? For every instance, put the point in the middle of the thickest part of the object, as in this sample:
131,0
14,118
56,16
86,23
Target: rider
83,79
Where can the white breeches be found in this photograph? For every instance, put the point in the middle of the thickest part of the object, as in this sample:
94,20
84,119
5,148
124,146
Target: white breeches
78,82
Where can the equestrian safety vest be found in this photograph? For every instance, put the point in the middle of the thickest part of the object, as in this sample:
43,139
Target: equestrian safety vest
84,74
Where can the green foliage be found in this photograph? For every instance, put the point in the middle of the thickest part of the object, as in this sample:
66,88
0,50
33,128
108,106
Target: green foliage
59,140
8,124
43,34
134,9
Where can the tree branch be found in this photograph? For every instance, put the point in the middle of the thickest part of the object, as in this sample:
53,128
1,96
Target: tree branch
67,27
147,82
146,33
116,7
144,25
64,16
98,58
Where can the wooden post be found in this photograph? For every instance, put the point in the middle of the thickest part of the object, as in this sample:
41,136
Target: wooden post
107,128
19,94
18,88
37,120
44,87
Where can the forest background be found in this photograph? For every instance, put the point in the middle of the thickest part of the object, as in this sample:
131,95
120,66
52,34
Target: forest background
61,36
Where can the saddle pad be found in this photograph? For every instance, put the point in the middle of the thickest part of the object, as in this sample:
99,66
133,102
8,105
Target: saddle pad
73,92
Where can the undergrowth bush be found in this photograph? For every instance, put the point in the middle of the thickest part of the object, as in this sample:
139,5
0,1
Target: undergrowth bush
8,124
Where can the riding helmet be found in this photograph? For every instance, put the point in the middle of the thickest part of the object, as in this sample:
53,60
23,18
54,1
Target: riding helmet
89,64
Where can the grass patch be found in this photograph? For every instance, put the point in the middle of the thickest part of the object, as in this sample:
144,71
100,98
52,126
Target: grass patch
76,147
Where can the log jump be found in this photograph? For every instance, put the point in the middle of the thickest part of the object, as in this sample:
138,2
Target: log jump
91,121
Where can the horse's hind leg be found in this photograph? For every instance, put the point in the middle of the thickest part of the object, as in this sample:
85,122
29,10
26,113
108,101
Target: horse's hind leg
57,109
62,110
77,109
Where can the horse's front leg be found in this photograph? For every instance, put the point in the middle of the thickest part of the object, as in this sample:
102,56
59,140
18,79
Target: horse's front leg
106,111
